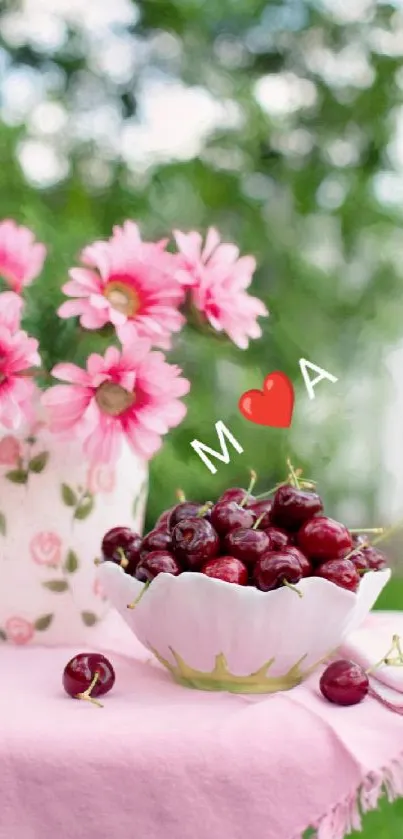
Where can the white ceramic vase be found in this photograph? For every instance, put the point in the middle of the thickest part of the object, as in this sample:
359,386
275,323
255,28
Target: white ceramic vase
54,510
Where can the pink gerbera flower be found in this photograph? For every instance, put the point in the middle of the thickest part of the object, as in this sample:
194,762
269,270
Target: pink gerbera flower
217,278
131,394
129,283
18,353
21,257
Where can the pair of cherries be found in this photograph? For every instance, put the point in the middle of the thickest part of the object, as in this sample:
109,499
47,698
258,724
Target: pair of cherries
89,675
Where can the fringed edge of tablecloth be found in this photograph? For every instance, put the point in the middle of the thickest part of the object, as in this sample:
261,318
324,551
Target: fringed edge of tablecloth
346,816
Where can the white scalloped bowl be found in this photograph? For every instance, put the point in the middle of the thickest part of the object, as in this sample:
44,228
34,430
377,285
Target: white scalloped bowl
213,635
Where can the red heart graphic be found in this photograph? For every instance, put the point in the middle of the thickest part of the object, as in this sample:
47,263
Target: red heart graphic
271,406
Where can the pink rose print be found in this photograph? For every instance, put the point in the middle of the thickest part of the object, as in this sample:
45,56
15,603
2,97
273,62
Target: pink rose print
18,630
10,450
101,478
46,548
98,590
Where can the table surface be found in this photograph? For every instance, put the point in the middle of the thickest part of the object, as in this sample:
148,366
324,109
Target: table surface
160,760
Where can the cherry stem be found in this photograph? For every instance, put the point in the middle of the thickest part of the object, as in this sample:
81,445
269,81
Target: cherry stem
398,709
257,522
358,530
253,479
388,532
87,693
204,509
293,474
142,593
398,661
123,558
357,549
180,495
294,588
270,491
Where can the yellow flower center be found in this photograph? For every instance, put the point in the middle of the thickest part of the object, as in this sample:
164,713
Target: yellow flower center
113,399
122,297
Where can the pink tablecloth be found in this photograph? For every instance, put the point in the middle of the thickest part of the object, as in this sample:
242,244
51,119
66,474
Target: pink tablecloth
163,762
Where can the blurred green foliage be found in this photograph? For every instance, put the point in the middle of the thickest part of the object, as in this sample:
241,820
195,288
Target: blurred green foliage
294,184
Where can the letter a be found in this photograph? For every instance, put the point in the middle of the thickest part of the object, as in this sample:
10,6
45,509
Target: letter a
323,374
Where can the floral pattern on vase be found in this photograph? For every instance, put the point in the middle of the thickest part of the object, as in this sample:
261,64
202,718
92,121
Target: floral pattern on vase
55,510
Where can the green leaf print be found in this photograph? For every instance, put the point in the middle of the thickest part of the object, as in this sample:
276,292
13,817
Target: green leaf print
3,524
72,563
43,622
89,618
38,463
68,495
56,585
85,507
17,476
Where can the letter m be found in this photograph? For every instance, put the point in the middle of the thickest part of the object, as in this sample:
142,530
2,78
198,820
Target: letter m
201,448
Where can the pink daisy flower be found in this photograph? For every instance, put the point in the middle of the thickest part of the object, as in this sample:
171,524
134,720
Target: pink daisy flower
129,283
21,257
11,306
18,353
132,395
217,278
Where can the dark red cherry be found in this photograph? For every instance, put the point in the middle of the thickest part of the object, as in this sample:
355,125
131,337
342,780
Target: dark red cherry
88,675
276,568
156,540
292,507
162,522
341,572
121,545
344,683
194,541
322,538
376,560
157,562
227,515
359,561
278,539
262,508
306,566
246,544
186,510
236,494
227,568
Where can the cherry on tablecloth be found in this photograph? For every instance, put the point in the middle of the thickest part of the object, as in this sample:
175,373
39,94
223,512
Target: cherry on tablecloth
160,760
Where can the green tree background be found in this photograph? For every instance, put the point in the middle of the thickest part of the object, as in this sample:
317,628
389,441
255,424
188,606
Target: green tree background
295,171
301,166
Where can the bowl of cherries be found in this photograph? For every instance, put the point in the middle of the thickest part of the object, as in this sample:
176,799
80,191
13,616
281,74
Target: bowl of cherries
247,594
